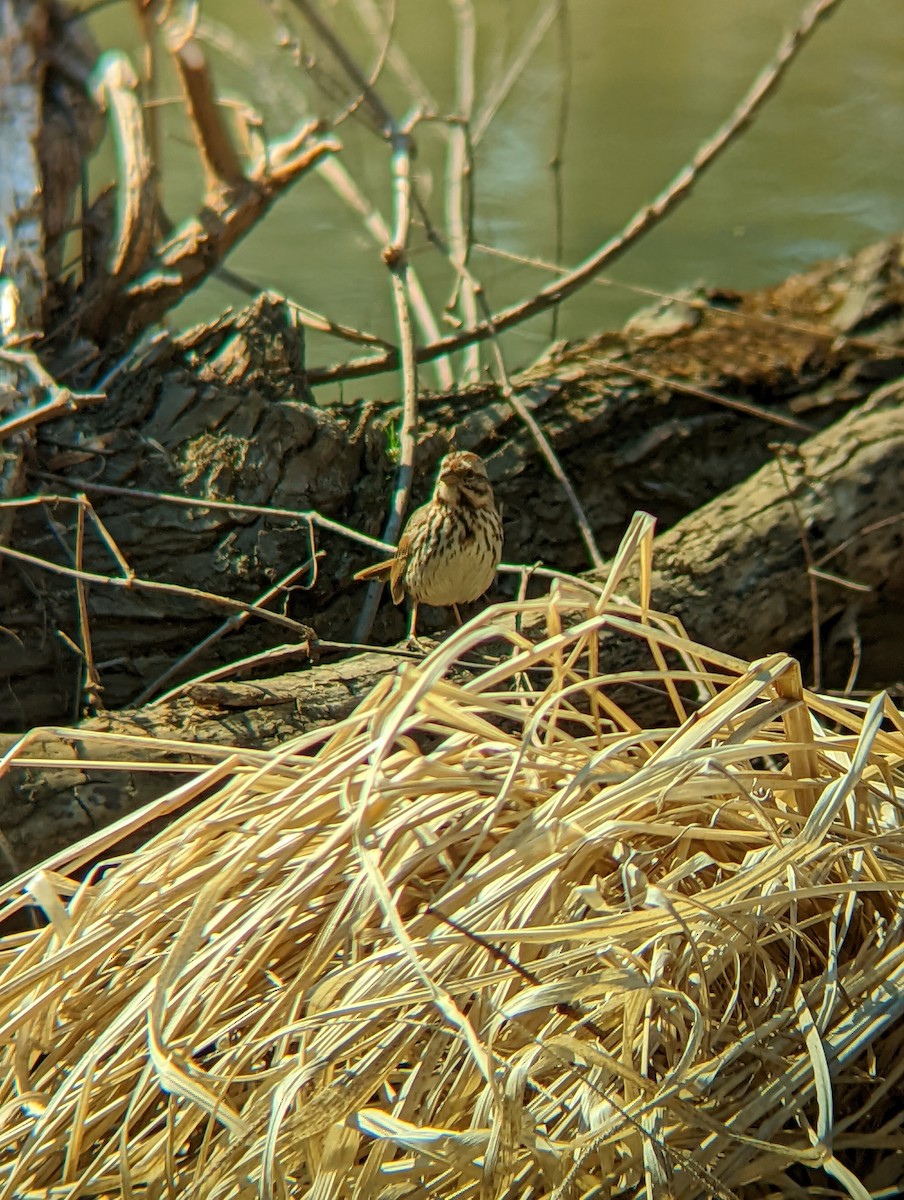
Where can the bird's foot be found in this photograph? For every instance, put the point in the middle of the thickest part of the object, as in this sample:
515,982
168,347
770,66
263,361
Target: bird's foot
413,642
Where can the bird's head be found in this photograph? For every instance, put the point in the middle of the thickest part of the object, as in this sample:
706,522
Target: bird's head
463,479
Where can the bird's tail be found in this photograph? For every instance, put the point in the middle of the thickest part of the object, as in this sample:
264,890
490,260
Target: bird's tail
379,570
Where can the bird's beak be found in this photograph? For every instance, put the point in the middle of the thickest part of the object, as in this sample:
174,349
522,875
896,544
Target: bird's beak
450,477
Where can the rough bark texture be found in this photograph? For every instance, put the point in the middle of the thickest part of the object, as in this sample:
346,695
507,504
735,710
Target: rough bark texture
734,571
45,809
22,35
224,413
23,25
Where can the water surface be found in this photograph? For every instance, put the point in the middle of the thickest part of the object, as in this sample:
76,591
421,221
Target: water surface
637,86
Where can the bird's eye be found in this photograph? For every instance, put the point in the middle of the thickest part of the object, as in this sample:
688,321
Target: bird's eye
468,476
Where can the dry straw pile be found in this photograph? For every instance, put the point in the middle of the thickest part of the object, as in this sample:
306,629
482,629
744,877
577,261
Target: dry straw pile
491,939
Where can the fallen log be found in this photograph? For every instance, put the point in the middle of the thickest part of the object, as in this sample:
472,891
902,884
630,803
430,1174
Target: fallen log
735,572
674,410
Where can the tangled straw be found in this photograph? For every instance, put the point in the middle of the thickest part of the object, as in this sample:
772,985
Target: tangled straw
492,939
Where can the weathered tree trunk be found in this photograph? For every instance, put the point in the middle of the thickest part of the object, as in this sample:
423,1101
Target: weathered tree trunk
23,28
23,40
223,413
734,571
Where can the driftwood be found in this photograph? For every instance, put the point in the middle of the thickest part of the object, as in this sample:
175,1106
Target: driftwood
735,572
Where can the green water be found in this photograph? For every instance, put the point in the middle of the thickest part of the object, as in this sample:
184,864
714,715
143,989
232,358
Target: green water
644,82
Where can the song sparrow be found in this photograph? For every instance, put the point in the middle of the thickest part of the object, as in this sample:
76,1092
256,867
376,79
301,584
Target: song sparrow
450,548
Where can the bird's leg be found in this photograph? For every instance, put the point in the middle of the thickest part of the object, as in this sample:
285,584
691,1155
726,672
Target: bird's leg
412,639
457,614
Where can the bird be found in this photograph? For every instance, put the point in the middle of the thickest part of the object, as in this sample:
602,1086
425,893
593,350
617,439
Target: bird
450,547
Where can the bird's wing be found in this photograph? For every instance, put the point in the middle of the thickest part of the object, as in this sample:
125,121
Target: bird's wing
393,568
400,562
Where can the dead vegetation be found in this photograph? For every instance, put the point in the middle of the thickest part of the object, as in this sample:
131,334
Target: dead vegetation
489,936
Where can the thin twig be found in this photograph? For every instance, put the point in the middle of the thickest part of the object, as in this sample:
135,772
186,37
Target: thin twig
558,156
380,30
230,625
850,626
507,79
558,290
856,537
290,514
347,61
744,406
460,175
276,654
81,502
134,583
399,141
60,399
336,174
229,670
545,447
305,316
396,258
92,686
700,303
509,393
322,324
852,585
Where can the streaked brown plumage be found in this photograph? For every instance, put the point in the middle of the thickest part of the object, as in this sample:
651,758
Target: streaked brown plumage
450,547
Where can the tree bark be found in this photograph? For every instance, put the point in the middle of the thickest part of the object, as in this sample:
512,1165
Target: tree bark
735,572
23,30
223,413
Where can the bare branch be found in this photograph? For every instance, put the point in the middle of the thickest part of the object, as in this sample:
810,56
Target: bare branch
134,583
459,174
60,399
198,246
230,625
558,290
115,85
397,261
347,61
398,61
743,406
337,176
496,96
222,165
92,686
307,515
545,447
